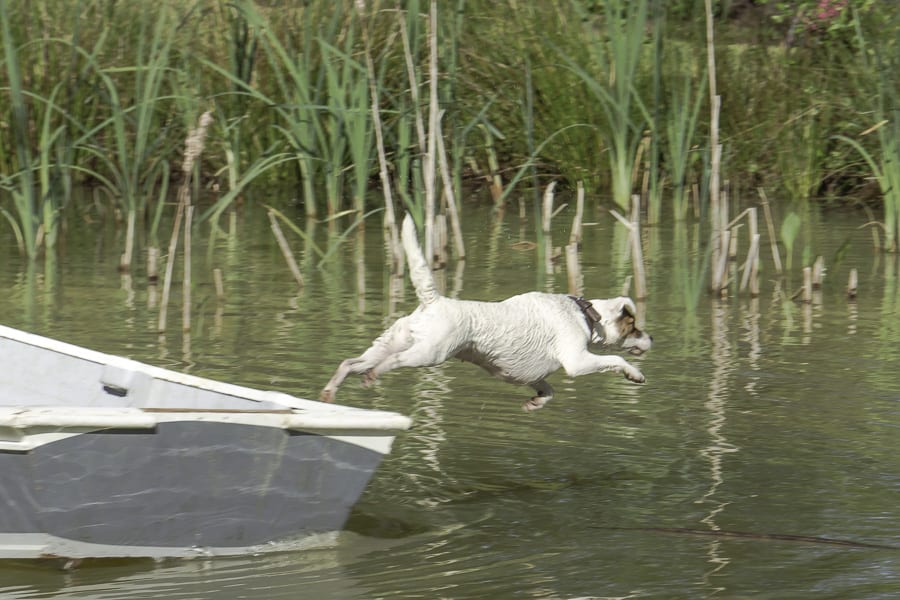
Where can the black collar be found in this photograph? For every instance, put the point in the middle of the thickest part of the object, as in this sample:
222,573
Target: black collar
590,313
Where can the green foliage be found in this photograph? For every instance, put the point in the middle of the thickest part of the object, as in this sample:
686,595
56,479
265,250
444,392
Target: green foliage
685,93
610,74
105,93
790,229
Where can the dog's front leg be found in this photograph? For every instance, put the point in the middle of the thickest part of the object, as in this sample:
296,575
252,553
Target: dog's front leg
544,395
586,362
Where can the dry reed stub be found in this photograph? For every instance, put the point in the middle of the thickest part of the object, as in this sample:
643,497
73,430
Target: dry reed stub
220,286
440,241
818,273
547,212
193,148
720,266
750,275
285,249
770,227
186,287
852,284
573,270
637,253
152,264
733,245
575,235
806,295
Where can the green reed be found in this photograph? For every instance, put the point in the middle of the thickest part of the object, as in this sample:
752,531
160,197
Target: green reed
348,124
133,165
106,98
21,185
686,91
884,159
611,76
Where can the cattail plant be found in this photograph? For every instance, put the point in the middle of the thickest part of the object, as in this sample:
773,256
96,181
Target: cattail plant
193,148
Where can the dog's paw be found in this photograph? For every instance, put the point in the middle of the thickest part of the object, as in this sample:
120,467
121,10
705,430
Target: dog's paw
326,395
369,378
535,403
633,374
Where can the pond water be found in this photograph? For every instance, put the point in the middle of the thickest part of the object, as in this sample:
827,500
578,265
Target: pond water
761,459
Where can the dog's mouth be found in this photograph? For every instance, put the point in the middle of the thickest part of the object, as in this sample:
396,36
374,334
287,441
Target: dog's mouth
638,344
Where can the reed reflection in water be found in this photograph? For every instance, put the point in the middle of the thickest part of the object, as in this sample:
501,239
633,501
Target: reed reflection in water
766,431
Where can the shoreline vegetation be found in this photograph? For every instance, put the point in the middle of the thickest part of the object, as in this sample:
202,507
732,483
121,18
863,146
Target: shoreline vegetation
365,109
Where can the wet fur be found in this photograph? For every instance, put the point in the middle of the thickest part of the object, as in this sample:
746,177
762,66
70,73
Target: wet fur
520,340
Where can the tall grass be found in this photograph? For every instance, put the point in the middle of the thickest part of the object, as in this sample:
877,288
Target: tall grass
135,164
685,97
884,159
611,77
110,90
21,185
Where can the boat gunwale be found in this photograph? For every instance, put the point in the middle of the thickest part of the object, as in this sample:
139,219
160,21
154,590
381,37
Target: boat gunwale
302,413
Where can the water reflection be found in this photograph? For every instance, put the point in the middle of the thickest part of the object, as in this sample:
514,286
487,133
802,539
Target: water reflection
760,415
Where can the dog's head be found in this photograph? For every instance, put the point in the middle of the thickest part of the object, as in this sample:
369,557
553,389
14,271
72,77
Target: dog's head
617,325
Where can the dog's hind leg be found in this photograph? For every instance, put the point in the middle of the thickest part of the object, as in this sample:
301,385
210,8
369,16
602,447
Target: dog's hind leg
417,355
387,344
347,366
544,395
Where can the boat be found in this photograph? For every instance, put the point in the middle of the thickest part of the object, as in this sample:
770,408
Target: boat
104,456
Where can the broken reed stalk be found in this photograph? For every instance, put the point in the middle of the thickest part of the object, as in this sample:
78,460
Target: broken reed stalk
733,243
575,236
547,212
186,287
193,148
852,284
546,220
152,264
219,285
715,106
413,83
718,214
170,266
285,249
721,237
637,253
720,266
818,273
770,226
440,239
573,269
390,219
450,197
750,276
429,158
637,256
806,296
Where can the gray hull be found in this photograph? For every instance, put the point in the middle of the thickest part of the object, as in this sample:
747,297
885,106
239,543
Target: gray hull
160,464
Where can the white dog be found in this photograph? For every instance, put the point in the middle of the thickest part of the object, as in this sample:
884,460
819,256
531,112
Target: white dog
521,340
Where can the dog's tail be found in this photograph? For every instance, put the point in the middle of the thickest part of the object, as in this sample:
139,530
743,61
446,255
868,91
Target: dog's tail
419,271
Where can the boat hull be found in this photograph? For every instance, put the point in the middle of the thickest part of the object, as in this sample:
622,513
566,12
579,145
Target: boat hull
181,488
103,456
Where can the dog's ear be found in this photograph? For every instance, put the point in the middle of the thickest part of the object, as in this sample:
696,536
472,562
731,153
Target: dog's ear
623,305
